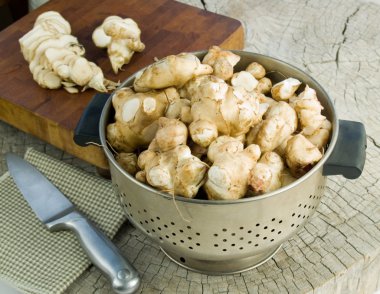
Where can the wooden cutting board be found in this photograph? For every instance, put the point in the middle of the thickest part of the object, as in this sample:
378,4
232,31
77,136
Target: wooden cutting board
168,27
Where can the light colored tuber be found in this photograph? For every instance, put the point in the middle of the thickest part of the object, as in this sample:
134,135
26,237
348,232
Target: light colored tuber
128,161
56,58
136,116
301,155
314,125
173,170
228,176
265,176
264,86
245,80
280,122
222,62
256,70
173,70
285,89
121,37
224,144
232,116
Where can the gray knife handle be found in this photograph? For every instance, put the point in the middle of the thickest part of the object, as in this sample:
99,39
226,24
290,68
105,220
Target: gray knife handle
101,251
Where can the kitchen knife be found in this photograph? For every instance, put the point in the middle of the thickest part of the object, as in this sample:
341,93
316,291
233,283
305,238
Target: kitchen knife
57,213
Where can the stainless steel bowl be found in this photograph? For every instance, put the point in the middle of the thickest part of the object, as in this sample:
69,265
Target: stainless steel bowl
220,237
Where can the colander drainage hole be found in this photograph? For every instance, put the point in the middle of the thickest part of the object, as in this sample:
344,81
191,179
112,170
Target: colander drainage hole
158,218
182,259
181,231
280,222
232,245
241,228
257,225
172,223
215,235
165,226
181,241
273,219
293,214
216,245
224,230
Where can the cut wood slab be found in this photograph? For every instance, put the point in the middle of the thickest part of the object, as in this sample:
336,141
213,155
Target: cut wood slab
168,27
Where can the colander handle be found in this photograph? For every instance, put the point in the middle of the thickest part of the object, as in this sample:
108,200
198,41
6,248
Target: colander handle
87,129
349,153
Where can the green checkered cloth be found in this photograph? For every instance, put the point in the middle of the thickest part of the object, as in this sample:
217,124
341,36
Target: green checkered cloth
35,260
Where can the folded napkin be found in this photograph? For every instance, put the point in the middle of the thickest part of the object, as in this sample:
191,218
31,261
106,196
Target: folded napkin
35,260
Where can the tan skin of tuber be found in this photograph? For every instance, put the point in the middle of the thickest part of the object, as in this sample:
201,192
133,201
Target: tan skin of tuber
222,62
314,126
168,163
280,122
228,176
136,117
121,37
265,176
232,114
301,155
56,58
171,71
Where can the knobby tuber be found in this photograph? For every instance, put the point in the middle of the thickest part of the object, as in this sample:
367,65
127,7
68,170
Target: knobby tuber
121,37
168,163
171,71
136,116
56,58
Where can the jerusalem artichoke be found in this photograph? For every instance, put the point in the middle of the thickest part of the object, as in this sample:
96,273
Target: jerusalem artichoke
222,62
136,117
301,155
56,58
121,37
285,89
228,176
173,70
265,176
169,164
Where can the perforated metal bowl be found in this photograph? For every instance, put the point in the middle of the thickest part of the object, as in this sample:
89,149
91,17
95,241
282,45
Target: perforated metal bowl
218,237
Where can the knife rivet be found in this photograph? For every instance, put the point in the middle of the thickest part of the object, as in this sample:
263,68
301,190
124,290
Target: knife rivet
123,274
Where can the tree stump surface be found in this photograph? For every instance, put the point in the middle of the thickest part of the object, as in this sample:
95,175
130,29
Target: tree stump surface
338,251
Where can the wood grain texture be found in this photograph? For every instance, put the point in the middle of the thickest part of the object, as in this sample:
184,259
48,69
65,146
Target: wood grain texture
168,27
338,251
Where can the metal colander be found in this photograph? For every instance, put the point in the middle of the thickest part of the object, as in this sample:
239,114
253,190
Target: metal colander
217,237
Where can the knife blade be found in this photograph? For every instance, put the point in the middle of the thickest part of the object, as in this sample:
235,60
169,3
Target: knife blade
57,213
